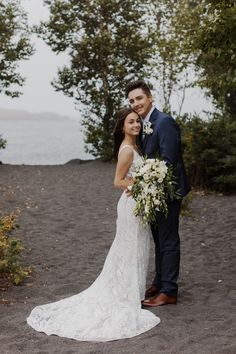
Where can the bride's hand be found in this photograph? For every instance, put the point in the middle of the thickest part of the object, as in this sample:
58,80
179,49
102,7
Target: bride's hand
128,189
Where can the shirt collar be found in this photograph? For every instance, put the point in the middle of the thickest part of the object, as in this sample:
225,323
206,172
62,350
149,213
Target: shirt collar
146,119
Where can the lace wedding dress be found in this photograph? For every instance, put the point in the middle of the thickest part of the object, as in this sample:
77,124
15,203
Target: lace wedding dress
110,308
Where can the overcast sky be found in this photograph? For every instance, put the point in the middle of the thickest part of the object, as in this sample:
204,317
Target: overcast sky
40,69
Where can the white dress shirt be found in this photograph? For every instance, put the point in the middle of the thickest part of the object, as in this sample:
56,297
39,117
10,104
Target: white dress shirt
146,119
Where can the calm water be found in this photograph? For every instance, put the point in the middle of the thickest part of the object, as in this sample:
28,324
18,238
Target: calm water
46,142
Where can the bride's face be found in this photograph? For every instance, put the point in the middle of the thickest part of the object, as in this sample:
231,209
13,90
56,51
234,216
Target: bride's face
132,124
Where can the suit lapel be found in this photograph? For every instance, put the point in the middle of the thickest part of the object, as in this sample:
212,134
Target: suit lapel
154,116
145,141
152,119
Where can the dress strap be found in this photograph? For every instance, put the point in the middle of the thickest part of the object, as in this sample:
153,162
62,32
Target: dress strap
124,146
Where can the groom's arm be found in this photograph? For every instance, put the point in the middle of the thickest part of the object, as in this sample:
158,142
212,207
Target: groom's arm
169,140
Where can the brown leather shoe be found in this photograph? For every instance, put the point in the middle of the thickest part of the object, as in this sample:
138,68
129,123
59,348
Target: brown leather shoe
152,291
160,300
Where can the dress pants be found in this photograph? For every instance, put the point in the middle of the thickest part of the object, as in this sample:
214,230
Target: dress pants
167,249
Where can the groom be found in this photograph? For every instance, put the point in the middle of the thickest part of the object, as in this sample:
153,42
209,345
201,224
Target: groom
162,139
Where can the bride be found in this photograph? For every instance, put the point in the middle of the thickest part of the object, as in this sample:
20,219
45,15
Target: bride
111,307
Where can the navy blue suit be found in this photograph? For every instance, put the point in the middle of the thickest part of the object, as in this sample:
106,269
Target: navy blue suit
165,142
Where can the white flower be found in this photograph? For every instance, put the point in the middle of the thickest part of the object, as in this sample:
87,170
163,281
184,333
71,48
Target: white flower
147,128
150,161
151,189
146,209
157,202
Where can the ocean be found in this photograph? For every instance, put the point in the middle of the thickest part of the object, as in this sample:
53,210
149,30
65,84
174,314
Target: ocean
41,141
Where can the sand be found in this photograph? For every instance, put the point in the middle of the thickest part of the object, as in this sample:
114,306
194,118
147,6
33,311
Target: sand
67,224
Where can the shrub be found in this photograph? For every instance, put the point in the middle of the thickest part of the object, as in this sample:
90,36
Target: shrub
210,151
10,248
3,143
186,205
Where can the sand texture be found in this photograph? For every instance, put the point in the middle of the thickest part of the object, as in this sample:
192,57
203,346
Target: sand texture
67,224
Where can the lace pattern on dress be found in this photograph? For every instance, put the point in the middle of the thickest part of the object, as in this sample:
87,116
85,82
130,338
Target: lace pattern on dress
111,307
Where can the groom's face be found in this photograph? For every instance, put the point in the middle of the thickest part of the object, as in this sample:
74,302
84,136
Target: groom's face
140,102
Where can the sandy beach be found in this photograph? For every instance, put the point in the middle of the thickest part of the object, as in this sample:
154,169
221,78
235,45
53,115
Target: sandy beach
67,225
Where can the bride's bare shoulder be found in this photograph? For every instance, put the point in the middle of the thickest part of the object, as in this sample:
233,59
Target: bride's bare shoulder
127,149
125,155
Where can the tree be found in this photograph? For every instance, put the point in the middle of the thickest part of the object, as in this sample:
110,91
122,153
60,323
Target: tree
3,143
14,45
176,21
216,53
109,44
210,151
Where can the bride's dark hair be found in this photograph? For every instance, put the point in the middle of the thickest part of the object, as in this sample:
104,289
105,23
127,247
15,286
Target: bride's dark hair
118,133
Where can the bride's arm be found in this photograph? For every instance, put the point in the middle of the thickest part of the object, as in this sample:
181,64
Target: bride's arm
125,158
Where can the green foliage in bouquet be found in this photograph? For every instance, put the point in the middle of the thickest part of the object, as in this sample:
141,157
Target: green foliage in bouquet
154,184
210,151
10,248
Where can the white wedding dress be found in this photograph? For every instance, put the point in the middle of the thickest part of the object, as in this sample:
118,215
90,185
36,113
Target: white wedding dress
110,308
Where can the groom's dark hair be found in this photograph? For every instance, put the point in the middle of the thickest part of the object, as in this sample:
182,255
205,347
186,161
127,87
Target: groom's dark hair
138,84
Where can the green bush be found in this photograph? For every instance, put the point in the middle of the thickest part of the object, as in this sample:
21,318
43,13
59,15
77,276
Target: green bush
10,248
186,205
210,151
3,143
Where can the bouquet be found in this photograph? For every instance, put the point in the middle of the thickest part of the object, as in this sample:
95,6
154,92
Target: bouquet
154,184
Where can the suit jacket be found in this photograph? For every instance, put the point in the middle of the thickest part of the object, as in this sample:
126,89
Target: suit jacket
165,142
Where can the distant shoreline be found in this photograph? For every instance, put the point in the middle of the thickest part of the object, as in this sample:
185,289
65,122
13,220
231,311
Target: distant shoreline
73,161
17,115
